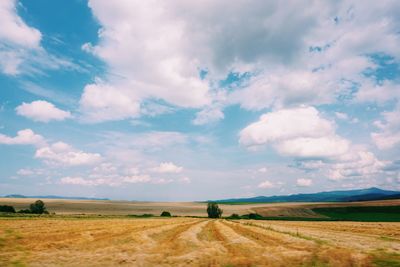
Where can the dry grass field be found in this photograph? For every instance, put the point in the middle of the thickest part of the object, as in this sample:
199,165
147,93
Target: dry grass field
195,242
108,207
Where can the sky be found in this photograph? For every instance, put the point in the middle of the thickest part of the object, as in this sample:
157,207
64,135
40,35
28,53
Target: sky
194,100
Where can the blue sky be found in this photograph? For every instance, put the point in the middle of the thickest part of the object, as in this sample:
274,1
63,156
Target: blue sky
155,100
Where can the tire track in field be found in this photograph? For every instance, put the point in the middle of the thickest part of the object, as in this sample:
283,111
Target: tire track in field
160,245
302,249
276,246
270,237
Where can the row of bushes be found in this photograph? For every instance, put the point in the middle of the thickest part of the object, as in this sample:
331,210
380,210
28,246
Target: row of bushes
38,207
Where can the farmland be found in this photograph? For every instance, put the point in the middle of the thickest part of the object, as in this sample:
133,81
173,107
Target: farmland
108,207
109,233
196,242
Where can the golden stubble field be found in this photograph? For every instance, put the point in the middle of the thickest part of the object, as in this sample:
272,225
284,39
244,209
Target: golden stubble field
195,242
112,207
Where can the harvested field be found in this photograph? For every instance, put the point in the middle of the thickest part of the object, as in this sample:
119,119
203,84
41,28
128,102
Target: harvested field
108,207
196,242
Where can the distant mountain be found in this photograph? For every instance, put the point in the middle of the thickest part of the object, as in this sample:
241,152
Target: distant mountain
54,197
372,193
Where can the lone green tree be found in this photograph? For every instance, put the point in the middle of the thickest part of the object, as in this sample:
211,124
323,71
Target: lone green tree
213,210
165,214
38,207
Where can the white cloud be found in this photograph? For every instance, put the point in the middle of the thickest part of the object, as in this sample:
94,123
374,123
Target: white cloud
103,102
42,111
303,182
208,115
358,163
25,172
156,50
266,185
162,181
185,180
108,181
298,132
14,30
388,134
24,137
62,154
168,167
341,116
20,48
262,170
148,141
159,48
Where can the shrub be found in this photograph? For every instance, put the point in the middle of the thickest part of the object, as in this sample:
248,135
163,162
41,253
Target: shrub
255,216
165,214
234,216
6,208
213,210
38,207
24,211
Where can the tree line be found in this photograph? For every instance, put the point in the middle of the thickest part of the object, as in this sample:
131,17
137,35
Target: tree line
38,207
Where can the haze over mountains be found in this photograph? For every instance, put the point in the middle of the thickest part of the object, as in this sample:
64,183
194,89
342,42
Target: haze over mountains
372,193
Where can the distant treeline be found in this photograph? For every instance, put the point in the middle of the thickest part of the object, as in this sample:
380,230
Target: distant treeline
38,207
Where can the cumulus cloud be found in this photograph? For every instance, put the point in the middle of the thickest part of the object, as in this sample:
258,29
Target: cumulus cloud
208,115
62,154
108,181
266,185
15,33
341,116
299,132
159,50
14,29
388,134
303,182
42,111
262,170
102,102
168,167
359,163
20,48
24,137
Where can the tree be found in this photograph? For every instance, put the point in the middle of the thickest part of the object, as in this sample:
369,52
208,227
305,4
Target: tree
6,208
165,214
234,216
213,210
38,207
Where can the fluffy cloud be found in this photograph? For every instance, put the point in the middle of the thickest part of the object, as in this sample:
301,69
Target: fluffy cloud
303,182
115,181
389,130
313,57
208,115
168,167
43,111
160,48
359,163
266,185
62,154
24,137
299,132
14,30
20,49
16,38
102,102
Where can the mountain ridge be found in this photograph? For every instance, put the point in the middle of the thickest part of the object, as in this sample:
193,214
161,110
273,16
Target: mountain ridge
372,193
